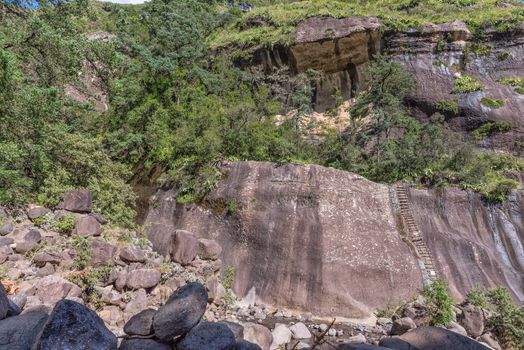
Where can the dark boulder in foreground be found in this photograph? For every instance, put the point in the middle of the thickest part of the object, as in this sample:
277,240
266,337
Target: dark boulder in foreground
433,338
4,302
245,345
181,312
143,344
19,332
209,336
141,323
73,326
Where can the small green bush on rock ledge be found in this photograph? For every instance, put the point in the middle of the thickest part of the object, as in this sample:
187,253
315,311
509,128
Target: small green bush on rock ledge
466,84
492,103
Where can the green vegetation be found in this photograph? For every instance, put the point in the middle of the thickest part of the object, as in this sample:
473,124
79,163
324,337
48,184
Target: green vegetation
517,83
492,103
280,17
228,280
65,224
466,84
506,320
503,56
491,128
174,105
87,280
83,254
439,304
450,106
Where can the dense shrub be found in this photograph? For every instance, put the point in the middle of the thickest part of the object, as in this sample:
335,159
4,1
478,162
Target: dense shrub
439,304
466,84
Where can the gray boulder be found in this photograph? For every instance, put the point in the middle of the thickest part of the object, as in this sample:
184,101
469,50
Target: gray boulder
185,247
352,346
36,212
238,330
4,302
24,247
402,325
258,334
87,226
209,336
33,236
6,227
181,312
143,344
141,323
20,332
4,241
130,255
434,338
245,345
102,253
78,201
13,309
208,249
396,344
472,319
142,278
73,326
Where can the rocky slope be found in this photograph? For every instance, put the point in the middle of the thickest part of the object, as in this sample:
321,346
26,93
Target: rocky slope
332,243
436,55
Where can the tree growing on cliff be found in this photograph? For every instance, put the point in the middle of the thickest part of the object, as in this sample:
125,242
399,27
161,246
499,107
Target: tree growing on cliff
388,83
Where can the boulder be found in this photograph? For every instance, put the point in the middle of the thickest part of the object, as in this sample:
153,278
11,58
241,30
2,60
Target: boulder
300,331
185,247
138,303
245,345
36,212
51,289
20,332
258,334
4,302
141,323
209,336
102,253
46,270
142,278
354,346
143,344
24,247
6,227
87,226
237,329
13,309
78,201
434,338
208,249
33,236
131,254
5,241
402,325
73,326
42,258
3,213
396,344
472,319
100,218
281,336
455,327
488,339
359,338
181,312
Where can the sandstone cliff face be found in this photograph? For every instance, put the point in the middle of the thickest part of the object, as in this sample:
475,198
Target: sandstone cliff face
339,50
330,242
437,55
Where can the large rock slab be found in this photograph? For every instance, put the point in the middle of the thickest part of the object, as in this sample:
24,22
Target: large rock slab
87,226
181,245
51,289
181,312
433,338
209,336
20,332
325,237
258,334
73,326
